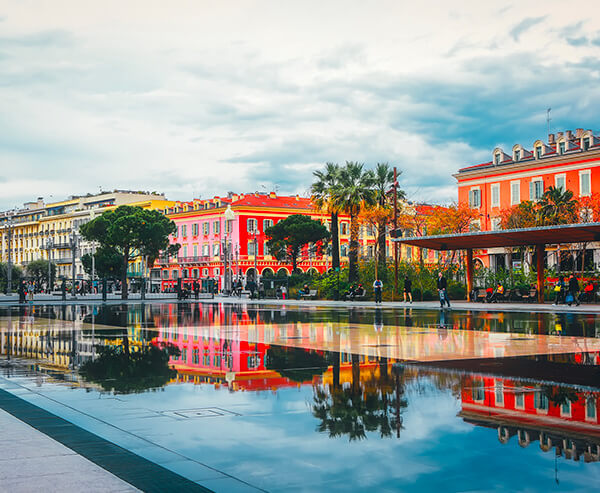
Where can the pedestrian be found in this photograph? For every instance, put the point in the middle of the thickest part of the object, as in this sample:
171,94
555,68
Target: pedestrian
442,286
283,292
559,290
377,289
407,289
261,291
573,295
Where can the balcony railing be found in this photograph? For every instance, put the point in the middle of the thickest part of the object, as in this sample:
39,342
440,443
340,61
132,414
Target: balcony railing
194,260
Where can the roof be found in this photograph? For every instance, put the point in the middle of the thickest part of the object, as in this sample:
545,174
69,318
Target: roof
291,202
546,235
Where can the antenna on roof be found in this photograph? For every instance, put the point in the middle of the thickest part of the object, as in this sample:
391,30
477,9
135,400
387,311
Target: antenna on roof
548,119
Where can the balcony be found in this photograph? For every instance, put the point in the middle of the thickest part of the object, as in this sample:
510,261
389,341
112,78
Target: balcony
194,260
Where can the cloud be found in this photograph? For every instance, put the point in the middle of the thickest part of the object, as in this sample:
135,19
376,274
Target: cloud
524,26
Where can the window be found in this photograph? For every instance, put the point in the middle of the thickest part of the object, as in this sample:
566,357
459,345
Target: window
206,250
565,408
165,274
541,401
538,152
584,183
515,192
560,182
216,227
520,400
495,188
185,252
266,249
195,250
217,271
216,249
586,143
495,223
205,228
205,272
561,147
344,228
536,189
195,229
475,198
497,158
499,393
478,391
370,251
408,253
344,250
590,409
267,223
177,232
252,225
517,154
184,230
195,273
175,274
475,225
251,248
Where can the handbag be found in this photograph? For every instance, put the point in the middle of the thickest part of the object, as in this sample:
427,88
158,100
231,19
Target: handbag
557,288
569,298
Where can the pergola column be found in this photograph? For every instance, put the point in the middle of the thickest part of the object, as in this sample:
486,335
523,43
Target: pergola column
469,273
540,250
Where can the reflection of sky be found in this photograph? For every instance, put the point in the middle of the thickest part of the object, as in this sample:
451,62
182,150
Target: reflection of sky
273,442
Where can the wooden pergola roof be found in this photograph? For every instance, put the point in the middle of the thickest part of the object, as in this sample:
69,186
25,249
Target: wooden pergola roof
546,235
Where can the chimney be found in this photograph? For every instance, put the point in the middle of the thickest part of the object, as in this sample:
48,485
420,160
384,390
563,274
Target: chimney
569,135
579,133
550,138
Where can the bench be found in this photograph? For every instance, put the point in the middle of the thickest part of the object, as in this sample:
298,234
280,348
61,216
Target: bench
478,295
311,294
530,297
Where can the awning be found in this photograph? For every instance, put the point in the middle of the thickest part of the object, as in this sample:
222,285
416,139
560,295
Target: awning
546,235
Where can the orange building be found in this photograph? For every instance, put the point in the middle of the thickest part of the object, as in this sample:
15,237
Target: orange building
570,161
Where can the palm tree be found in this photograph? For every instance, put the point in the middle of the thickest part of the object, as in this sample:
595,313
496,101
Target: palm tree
384,179
557,206
354,192
321,192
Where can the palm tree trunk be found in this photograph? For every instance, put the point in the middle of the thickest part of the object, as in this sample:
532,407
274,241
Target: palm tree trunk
353,253
335,242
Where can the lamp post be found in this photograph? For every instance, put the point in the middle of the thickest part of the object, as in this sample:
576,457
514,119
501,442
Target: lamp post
229,218
255,234
49,246
73,253
9,223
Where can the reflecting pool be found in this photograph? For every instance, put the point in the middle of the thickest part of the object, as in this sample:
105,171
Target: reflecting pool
246,398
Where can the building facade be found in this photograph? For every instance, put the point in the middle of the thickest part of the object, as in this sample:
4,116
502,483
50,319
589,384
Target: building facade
207,239
568,160
45,231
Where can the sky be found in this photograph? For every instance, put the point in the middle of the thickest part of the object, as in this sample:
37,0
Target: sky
198,98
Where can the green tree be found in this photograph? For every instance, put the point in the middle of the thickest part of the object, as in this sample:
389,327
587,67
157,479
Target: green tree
132,231
108,263
38,271
321,195
557,207
354,193
288,236
17,276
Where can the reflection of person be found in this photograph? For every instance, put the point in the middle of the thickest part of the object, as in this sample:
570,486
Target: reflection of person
407,289
378,322
377,288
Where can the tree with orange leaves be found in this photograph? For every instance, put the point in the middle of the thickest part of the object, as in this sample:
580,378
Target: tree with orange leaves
457,218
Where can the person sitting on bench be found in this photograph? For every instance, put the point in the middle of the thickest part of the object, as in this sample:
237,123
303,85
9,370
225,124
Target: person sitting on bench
359,292
303,291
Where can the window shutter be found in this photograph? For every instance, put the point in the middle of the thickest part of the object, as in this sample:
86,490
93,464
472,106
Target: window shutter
531,191
471,198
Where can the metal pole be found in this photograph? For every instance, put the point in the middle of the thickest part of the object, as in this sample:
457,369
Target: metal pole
48,251
9,273
93,267
256,257
73,251
395,229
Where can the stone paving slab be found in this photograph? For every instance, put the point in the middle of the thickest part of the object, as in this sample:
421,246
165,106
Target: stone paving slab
32,461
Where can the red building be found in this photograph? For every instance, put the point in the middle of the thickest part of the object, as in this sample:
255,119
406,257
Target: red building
570,161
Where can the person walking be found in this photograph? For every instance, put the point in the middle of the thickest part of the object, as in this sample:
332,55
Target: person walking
442,286
559,290
573,295
407,289
377,288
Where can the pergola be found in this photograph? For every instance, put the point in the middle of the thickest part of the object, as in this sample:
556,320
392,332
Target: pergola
539,237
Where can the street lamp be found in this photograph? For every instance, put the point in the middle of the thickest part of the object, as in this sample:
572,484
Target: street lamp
255,234
229,218
49,246
9,226
73,247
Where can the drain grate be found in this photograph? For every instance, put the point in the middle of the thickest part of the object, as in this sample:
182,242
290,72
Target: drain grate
202,412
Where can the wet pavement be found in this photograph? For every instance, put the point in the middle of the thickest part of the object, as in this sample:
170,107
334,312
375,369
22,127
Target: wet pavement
244,398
